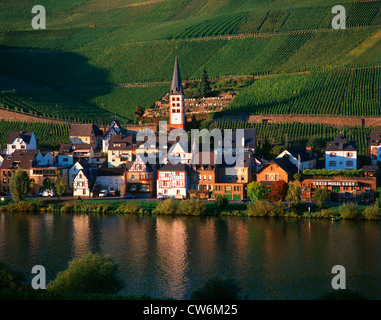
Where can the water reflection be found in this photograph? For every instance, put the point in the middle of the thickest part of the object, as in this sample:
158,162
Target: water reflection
172,256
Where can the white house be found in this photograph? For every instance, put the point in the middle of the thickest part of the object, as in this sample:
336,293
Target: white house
172,180
301,158
375,146
120,150
45,158
21,140
83,182
112,179
114,128
79,165
65,155
178,154
341,154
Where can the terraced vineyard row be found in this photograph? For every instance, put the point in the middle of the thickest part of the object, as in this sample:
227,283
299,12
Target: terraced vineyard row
351,92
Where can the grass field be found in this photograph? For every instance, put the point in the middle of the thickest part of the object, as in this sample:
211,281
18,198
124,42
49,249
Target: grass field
135,41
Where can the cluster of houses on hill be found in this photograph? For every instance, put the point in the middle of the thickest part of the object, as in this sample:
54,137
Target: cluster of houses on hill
94,161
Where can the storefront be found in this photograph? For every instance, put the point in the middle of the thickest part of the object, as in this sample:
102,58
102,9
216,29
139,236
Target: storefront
342,189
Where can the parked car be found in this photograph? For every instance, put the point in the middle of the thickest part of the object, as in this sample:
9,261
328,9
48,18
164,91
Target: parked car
162,197
246,200
103,193
180,197
129,196
47,193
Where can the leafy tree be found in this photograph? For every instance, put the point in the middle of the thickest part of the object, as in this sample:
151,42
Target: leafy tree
320,196
221,202
191,207
168,206
278,191
90,273
264,149
19,185
47,184
256,191
204,89
294,193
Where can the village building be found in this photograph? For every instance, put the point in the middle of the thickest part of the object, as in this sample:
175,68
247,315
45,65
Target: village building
65,156
173,180
230,144
86,134
203,176
21,140
45,158
341,154
179,153
343,188
375,146
112,179
275,170
114,128
121,150
84,182
73,171
302,158
141,179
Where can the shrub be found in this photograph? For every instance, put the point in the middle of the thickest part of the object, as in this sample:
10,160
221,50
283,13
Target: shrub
90,273
22,206
349,211
263,208
168,206
371,213
191,207
221,202
327,213
128,208
217,289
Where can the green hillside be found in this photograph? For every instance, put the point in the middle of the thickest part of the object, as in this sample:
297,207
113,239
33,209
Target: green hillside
74,71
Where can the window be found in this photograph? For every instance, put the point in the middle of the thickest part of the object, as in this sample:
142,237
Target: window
177,191
210,178
349,163
204,178
218,188
350,154
332,154
13,146
228,189
237,188
332,163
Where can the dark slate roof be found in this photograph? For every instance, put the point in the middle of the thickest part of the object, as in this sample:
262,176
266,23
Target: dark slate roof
250,136
66,148
341,144
90,174
174,167
84,129
304,154
25,135
176,87
375,137
117,127
102,172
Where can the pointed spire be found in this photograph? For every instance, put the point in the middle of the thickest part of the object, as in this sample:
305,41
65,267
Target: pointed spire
177,87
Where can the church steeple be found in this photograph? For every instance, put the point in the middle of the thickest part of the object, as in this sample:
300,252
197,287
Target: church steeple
176,101
176,87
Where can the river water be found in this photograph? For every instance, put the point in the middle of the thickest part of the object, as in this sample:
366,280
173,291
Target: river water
172,256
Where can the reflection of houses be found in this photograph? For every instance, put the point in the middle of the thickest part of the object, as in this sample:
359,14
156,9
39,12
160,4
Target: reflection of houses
341,188
275,170
86,134
172,180
140,178
111,179
84,182
120,149
21,140
341,154
302,158
375,146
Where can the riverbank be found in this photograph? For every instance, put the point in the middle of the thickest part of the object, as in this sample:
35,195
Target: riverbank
262,208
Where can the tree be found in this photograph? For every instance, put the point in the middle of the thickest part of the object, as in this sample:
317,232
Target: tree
221,202
320,196
19,185
278,191
256,191
88,274
294,193
47,184
204,89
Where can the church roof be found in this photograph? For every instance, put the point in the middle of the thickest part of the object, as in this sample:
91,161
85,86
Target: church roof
176,87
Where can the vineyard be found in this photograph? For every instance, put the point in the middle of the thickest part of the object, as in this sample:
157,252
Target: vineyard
350,92
300,133
48,135
131,44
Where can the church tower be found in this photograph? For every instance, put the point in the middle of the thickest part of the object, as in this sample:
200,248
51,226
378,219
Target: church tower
176,101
